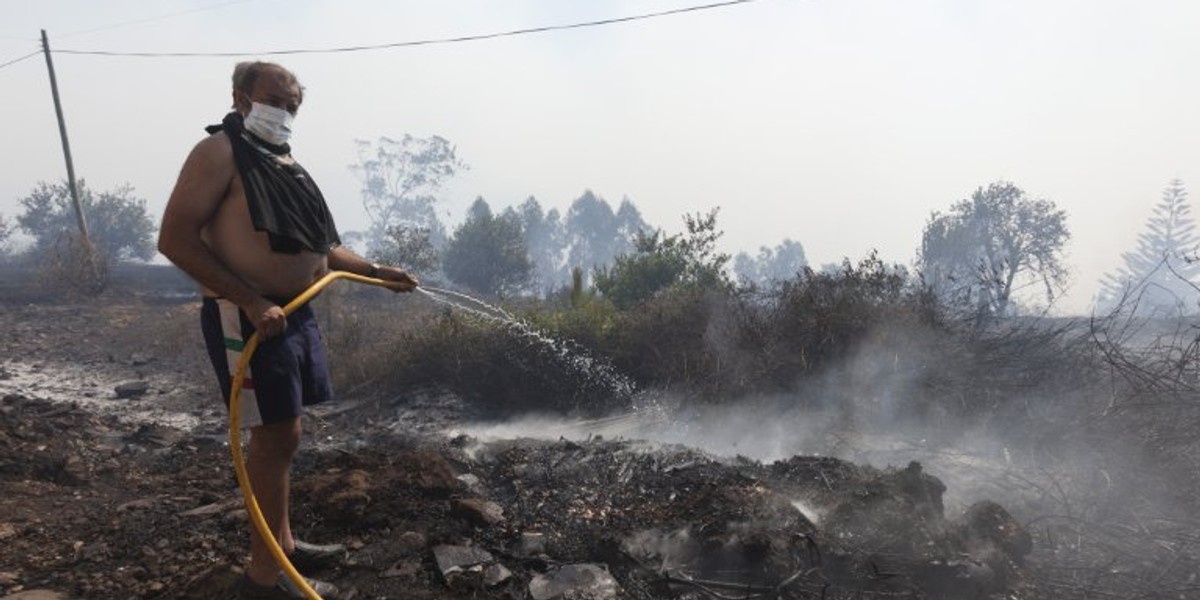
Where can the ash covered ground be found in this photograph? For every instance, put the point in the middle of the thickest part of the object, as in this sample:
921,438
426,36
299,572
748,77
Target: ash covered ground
116,482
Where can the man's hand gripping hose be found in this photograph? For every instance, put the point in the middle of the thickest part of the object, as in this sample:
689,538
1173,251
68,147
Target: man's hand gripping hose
235,437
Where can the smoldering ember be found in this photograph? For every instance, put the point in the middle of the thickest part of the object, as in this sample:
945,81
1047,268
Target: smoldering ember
842,438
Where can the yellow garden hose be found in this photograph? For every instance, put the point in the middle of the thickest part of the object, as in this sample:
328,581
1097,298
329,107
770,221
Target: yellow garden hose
235,436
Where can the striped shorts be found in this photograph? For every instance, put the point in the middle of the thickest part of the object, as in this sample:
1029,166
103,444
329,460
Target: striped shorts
286,372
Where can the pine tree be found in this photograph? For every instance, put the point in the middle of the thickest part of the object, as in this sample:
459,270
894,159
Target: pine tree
1157,276
488,253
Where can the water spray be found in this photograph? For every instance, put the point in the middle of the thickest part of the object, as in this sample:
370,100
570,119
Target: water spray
469,304
575,358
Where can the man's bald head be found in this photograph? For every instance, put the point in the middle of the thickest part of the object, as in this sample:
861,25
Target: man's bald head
251,78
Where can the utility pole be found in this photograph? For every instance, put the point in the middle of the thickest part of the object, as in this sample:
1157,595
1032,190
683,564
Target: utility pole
91,272
62,130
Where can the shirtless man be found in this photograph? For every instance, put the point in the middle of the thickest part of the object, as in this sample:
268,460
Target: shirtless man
246,222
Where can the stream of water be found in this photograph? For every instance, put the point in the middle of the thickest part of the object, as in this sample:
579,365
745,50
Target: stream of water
594,372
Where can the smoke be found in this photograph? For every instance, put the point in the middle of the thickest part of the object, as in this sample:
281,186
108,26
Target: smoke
1086,443
874,409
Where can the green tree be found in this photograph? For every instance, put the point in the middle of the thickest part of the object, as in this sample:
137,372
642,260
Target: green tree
118,225
1160,272
659,261
978,253
488,253
400,182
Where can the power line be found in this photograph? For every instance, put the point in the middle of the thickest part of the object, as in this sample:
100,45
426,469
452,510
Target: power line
17,60
151,19
429,42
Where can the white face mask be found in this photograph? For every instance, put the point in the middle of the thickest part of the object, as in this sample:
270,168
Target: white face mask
273,125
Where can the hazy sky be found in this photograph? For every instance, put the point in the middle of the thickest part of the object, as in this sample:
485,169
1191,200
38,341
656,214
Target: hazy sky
837,123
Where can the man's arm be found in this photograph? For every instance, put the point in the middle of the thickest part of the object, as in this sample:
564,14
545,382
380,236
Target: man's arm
342,258
202,186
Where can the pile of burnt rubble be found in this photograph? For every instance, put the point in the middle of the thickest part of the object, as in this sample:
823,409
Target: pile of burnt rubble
621,519
671,522
94,509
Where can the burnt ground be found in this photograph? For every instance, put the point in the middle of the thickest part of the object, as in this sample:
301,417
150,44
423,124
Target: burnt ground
103,496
